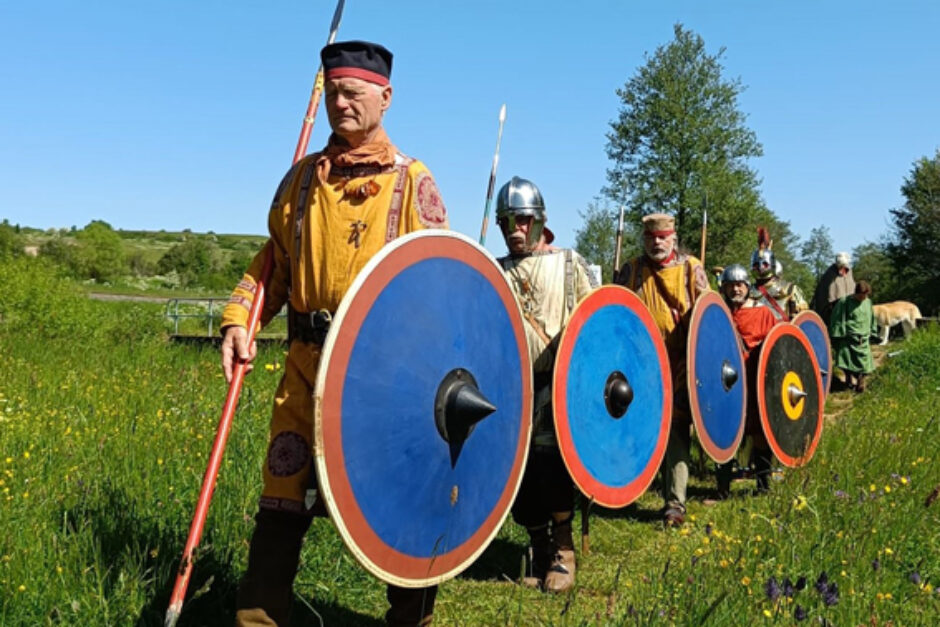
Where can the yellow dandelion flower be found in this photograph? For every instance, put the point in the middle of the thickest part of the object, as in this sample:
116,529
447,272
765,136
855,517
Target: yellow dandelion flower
706,540
684,531
745,580
887,488
25,454
9,460
154,553
872,487
880,596
159,461
22,588
269,367
799,503
888,551
843,573
723,563
888,596
903,480
767,613
757,538
58,570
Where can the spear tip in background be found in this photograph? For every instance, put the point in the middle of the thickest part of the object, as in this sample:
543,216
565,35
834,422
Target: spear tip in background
502,114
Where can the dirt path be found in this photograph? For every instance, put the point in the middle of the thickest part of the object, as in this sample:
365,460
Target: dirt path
839,402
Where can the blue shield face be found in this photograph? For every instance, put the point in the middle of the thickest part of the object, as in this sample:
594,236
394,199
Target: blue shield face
815,330
612,396
415,504
716,378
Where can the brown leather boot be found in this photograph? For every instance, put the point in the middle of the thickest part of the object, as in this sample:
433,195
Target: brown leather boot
409,607
860,386
560,576
266,589
540,556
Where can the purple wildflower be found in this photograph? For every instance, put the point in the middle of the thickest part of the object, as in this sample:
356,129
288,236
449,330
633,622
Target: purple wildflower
772,589
875,564
788,590
694,560
800,583
841,494
799,613
708,529
914,577
822,582
831,595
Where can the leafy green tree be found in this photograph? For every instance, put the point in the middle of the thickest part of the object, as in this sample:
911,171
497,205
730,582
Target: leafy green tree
10,241
680,145
872,264
193,259
817,252
99,253
915,239
596,240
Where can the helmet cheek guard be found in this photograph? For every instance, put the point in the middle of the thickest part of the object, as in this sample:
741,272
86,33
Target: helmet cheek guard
763,263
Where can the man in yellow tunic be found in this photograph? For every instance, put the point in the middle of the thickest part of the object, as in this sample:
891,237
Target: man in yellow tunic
669,282
331,213
548,282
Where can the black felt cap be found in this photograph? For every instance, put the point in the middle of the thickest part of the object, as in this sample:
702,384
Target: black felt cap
358,59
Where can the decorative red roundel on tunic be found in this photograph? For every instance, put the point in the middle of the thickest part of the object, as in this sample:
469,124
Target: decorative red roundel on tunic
288,454
428,202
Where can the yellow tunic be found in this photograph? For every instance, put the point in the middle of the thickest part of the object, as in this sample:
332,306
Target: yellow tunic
339,233
342,224
669,293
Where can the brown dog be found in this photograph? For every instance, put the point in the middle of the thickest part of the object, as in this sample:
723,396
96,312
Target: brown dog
899,312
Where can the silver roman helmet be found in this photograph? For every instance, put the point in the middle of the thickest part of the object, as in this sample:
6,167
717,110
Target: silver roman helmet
520,197
735,273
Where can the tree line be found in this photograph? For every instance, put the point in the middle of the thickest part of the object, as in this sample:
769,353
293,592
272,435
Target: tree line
103,255
680,145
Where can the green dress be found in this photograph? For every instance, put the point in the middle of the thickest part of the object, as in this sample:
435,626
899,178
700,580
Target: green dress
850,326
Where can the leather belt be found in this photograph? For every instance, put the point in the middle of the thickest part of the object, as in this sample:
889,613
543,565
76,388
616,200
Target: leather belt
310,327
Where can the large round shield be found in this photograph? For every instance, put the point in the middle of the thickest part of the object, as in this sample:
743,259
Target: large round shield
716,378
423,408
789,395
815,330
612,396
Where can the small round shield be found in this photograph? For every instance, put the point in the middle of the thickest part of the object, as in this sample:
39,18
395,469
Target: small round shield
423,408
789,395
612,396
716,378
815,330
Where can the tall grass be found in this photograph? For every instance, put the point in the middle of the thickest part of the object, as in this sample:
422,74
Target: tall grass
105,429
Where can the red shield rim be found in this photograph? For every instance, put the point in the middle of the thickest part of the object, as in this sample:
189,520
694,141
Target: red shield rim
779,330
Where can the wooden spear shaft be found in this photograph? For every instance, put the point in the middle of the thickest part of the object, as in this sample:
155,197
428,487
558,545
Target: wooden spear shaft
240,369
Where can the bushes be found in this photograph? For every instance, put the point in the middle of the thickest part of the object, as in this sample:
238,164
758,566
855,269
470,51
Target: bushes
38,300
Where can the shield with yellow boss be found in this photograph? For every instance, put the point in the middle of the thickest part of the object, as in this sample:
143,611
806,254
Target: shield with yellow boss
423,408
790,395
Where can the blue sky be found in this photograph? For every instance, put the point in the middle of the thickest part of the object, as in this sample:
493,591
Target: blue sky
184,114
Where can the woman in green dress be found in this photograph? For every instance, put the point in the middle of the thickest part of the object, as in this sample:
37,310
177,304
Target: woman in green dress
850,327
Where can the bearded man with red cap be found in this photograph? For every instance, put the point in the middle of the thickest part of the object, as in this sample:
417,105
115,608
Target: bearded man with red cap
331,213
669,281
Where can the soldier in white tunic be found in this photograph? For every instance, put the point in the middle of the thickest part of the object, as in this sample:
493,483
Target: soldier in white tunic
548,283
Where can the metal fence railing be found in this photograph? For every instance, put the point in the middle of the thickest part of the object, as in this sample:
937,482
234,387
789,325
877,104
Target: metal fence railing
201,317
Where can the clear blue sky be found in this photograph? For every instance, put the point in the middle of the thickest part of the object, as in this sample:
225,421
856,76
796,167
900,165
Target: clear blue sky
184,114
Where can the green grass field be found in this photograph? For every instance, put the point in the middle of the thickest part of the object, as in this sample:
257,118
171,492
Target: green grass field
105,428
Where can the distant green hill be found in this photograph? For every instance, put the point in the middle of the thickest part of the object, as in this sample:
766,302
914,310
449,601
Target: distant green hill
138,261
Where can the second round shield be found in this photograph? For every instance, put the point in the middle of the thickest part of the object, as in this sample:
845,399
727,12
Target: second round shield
716,378
423,408
789,395
612,396
815,330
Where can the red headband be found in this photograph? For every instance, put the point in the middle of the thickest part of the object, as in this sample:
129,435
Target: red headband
661,233
357,72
